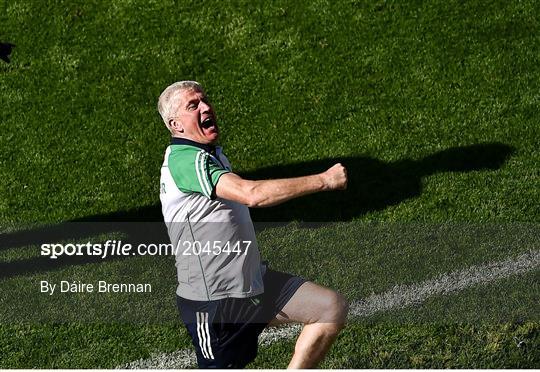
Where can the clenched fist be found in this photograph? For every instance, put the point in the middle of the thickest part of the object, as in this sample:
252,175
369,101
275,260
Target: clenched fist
335,178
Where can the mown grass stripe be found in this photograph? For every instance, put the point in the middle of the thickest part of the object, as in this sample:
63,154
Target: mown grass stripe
398,297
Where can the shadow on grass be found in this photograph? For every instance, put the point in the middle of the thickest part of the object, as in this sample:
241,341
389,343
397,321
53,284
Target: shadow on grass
373,185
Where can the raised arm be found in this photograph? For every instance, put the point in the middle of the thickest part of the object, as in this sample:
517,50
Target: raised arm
266,193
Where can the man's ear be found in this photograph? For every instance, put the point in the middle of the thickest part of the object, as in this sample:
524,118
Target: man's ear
176,125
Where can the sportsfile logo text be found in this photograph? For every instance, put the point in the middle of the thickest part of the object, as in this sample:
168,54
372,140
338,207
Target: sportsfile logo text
117,248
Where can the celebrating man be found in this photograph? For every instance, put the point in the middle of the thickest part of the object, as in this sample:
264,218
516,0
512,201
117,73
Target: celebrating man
226,296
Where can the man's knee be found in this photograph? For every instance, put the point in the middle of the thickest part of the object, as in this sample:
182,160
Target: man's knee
336,309
341,309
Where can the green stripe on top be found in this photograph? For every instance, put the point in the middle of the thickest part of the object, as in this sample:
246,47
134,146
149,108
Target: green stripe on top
194,170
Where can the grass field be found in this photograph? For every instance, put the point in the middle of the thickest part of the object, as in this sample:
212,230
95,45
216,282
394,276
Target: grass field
431,106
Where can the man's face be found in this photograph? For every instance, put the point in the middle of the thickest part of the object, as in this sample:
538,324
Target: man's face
195,117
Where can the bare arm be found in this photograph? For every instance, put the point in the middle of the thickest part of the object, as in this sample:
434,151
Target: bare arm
266,193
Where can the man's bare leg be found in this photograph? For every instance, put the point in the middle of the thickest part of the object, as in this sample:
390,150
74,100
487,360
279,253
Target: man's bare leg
323,312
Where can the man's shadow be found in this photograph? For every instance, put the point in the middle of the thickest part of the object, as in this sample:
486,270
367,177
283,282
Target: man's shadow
373,185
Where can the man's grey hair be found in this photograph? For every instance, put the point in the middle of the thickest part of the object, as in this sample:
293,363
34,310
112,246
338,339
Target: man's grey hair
167,103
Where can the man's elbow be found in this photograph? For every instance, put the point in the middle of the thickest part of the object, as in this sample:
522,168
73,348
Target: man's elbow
257,203
242,191
251,203
253,198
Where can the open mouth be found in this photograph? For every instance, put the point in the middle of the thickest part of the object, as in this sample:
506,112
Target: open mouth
208,123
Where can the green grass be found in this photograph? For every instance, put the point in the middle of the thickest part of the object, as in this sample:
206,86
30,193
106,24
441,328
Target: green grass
83,345
387,345
432,106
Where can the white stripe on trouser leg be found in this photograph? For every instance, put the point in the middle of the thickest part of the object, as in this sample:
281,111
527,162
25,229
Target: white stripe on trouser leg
208,334
200,335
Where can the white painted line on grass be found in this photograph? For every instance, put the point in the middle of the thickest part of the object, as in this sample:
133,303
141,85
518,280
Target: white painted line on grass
400,296
180,359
